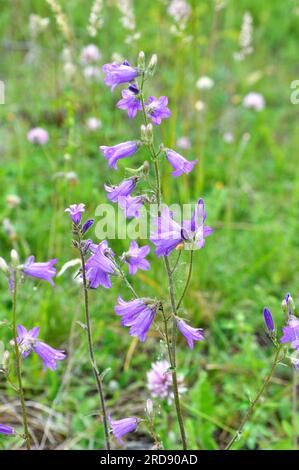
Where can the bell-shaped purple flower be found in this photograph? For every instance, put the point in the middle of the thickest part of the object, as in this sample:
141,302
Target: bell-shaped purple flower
131,205
6,430
135,257
137,315
168,234
122,190
76,211
43,271
122,150
118,73
195,230
269,320
27,342
191,334
156,109
291,332
121,427
130,101
99,267
179,163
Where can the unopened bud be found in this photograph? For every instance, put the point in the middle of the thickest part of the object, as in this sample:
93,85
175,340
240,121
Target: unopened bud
14,257
152,65
143,132
141,60
149,132
149,407
5,360
3,266
146,167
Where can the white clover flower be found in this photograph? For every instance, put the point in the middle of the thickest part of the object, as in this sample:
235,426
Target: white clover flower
254,101
205,83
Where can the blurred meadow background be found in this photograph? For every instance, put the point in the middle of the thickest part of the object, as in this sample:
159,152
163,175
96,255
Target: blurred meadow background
248,175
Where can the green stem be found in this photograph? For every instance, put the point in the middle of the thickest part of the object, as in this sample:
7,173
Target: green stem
18,364
187,281
171,345
91,351
253,405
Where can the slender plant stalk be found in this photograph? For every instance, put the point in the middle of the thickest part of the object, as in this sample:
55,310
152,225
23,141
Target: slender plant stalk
294,407
20,389
187,280
255,402
91,352
171,344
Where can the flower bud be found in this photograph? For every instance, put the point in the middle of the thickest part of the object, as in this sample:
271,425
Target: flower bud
146,167
143,132
141,60
5,360
14,257
152,65
269,320
149,407
87,225
149,132
3,266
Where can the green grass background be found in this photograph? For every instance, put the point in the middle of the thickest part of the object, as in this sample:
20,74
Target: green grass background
251,193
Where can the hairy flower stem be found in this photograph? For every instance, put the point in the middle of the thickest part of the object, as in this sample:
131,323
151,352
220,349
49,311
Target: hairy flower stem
187,281
18,364
91,351
171,344
255,402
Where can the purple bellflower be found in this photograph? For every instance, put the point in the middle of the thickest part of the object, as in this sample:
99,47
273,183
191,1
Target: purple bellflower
269,320
27,342
168,235
191,334
43,271
7,430
86,226
121,427
122,150
135,257
118,73
99,267
156,109
76,211
291,332
179,163
137,315
122,190
131,205
130,101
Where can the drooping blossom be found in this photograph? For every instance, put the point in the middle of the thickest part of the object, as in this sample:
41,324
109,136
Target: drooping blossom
93,124
121,427
179,163
130,101
168,234
159,381
122,150
291,332
43,271
90,53
254,101
156,109
131,205
76,211
122,190
136,314
118,73
27,342
7,430
191,334
38,136
205,83
135,257
268,320
99,267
